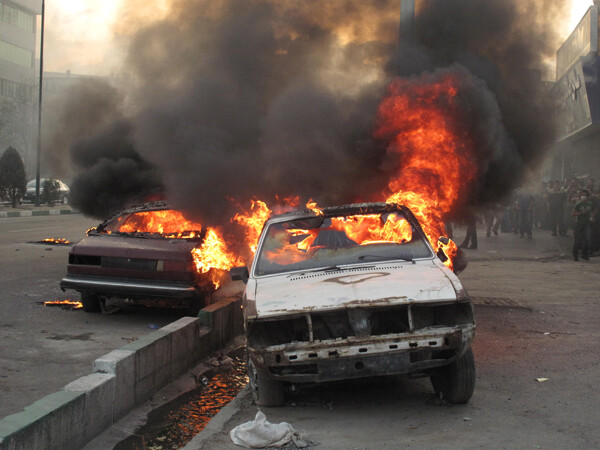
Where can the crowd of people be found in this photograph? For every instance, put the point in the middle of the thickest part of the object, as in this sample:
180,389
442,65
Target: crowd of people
557,206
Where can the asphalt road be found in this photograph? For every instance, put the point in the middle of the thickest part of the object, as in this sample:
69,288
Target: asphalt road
538,316
44,348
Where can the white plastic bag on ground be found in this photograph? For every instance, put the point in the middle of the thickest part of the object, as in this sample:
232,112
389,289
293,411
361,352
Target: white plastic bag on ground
260,433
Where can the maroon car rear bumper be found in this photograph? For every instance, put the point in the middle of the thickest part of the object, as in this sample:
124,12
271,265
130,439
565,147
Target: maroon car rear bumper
128,287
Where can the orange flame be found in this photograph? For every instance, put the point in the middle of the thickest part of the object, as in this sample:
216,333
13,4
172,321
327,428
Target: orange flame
60,241
253,222
312,205
419,122
73,304
167,222
438,164
213,254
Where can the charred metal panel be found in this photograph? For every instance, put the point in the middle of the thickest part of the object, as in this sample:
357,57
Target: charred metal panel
362,357
357,322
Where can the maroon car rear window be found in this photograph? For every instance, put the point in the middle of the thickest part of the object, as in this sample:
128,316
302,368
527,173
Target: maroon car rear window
164,222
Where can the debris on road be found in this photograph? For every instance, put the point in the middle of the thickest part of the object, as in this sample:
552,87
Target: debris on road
260,433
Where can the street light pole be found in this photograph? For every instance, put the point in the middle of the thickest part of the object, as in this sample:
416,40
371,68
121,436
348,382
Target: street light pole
407,22
39,133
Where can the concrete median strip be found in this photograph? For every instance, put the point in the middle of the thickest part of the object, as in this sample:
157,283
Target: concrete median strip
121,380
36,213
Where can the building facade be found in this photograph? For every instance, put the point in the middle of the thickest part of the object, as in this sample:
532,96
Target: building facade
577,90
18,77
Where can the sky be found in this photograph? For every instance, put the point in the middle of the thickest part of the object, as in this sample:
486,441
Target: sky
80,35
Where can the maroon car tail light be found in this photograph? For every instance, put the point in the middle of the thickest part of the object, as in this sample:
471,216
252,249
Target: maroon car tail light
176,266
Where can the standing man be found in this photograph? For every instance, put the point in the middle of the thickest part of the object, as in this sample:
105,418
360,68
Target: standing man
595,226
524,207
493,218
471,232
556,209
572,198
583,212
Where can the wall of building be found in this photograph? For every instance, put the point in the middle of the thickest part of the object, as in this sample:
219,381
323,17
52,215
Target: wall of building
17,43
18,78
577,91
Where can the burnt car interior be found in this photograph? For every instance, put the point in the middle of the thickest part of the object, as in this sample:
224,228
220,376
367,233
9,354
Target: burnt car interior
325,242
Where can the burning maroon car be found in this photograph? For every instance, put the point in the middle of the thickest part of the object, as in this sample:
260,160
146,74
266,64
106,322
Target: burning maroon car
142,256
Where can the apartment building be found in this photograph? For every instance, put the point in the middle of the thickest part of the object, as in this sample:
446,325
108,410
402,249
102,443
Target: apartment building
18,77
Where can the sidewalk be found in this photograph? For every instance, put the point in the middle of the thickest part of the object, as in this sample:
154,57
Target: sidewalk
30,210
509,246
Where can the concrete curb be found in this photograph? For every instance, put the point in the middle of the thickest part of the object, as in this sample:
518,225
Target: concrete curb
121,380
35,213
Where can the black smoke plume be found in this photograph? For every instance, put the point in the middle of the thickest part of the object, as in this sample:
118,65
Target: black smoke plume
112,173
507,45
236,99
81,109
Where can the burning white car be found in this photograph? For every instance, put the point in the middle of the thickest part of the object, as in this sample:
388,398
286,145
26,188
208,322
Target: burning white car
349,292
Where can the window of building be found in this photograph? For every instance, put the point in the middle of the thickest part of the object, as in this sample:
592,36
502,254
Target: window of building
16,55
18,18
14,90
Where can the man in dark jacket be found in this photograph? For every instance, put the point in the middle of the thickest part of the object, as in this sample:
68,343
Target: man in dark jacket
524,207
583,211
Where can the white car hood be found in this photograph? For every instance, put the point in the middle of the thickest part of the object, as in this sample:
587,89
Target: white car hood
382,284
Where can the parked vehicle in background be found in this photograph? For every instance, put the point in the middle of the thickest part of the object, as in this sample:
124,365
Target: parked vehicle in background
51,191
138,257
349,292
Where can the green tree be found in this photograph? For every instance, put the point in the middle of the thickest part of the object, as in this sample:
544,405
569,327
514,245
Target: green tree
12,176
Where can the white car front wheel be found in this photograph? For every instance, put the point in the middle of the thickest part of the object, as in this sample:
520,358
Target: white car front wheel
265,392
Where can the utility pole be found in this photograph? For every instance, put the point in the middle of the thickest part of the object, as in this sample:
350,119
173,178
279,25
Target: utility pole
407,22
39,134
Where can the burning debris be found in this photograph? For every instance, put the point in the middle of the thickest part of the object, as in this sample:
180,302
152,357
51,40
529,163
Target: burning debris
65,304
53,241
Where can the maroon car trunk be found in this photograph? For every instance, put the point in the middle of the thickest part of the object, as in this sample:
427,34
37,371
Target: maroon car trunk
126,266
